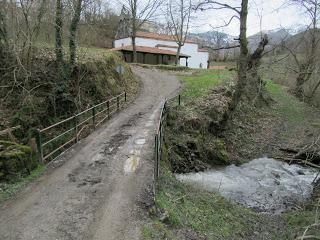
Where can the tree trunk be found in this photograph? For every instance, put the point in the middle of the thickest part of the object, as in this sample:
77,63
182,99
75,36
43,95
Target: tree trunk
134,30
255,92
3,34
58,27
3,26
305,72
134,49
178,55
299,91
242,71
73,34
307,68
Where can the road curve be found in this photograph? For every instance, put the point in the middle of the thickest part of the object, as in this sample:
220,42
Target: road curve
101,186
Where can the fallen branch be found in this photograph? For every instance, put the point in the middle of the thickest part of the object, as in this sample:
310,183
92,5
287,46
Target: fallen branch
298,161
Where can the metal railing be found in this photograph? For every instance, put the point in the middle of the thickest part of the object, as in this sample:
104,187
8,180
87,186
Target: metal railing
51,144
159,137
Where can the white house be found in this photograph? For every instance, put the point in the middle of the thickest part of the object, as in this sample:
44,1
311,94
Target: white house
154,48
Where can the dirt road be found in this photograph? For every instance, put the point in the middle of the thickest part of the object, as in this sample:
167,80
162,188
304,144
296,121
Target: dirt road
100,188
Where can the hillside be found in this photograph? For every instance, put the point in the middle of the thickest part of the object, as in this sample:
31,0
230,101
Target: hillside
275,38
219,39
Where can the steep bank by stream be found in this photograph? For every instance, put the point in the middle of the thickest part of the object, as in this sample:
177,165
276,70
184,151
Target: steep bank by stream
253,133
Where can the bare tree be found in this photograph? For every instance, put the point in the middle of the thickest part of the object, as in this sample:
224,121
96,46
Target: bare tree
3,25
58,28
306,60
179,13
247,70
140,12
73,32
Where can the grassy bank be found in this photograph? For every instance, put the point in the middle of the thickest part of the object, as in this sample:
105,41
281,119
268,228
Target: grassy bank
189,213
200,82
7,189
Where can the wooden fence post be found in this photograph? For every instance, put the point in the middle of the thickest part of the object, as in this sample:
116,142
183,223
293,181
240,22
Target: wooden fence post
94,117
179,99
108,106
125,96
118,104
75,122
39,146
156,158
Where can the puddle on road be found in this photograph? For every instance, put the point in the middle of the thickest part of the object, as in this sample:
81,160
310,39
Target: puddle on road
263,184
131,164
140,141
132,161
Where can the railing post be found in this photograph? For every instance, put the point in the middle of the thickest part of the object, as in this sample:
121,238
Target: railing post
118,104
179,99
158,154
156,158
108,106
94,117
75,122
125,96
39,146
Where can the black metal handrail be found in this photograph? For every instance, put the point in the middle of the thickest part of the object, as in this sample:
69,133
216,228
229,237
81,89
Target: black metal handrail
159,136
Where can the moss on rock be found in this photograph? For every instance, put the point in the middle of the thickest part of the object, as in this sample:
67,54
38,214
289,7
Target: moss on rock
16,160
214,151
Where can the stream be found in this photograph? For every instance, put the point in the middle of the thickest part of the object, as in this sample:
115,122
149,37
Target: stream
263,184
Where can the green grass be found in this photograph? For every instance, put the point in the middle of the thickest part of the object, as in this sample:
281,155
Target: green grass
298,117
288,107
198,84
209,214
8,189
205,213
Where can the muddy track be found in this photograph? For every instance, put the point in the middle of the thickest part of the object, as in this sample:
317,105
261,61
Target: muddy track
102,186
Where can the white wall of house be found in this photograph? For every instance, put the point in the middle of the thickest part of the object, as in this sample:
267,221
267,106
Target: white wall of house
203,59
197,58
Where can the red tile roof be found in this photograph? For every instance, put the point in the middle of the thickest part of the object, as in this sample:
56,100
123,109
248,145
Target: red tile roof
158,36
145,49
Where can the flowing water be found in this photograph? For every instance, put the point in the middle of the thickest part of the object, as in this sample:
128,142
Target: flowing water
263,184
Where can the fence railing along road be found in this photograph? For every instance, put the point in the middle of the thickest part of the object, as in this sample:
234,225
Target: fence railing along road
55,139
160,136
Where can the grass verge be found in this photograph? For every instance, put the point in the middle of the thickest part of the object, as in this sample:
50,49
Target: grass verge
198,84
10,188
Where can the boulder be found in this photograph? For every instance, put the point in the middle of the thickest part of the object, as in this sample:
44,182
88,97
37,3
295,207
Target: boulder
16,160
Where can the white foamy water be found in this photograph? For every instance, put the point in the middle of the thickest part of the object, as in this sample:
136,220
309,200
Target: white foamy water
264,184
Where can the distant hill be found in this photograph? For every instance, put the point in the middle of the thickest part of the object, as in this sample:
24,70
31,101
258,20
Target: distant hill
275,38
300,40
212,38
219,39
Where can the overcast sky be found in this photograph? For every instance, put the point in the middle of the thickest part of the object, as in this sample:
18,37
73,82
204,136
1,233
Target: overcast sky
276,14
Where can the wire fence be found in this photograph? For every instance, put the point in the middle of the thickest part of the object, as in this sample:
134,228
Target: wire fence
52,141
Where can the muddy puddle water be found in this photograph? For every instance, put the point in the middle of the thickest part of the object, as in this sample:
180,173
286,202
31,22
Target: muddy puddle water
263,184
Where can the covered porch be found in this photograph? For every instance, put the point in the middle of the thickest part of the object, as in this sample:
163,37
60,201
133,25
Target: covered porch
150,55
